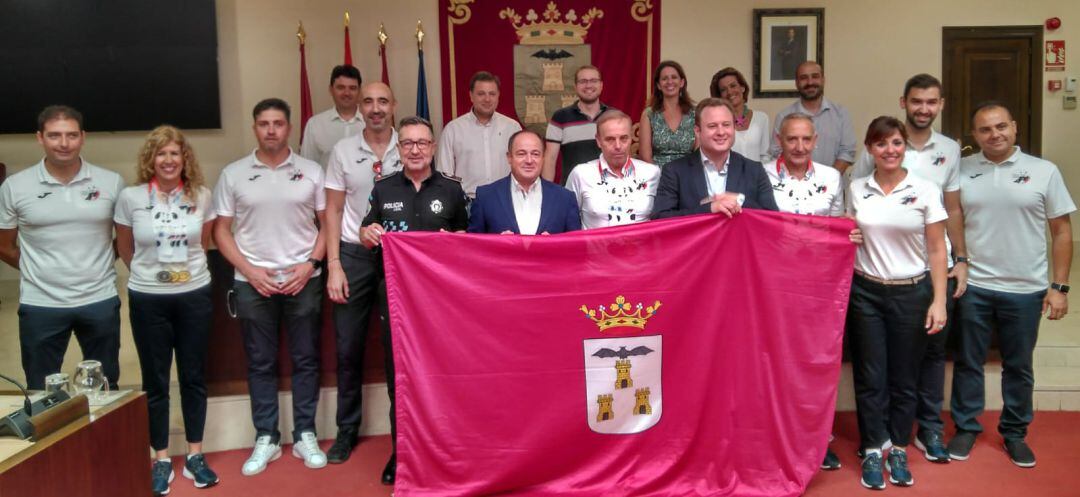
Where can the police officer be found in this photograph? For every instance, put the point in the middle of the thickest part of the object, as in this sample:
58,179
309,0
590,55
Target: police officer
415,199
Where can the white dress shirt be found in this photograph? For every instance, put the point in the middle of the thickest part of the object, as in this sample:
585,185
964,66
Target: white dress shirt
527,205
324,130
475,151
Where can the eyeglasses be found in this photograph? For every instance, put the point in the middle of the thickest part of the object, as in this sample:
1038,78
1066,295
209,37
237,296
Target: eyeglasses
418,144
593,81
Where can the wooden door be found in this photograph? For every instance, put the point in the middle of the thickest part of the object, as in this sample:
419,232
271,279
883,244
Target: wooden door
993,63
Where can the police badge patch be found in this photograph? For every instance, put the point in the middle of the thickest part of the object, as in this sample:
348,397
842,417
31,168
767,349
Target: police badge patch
436,206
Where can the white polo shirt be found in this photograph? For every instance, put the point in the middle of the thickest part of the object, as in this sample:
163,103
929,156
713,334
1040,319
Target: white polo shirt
324,130
938,162
273,209
1006,207
476,152
65,234
894,225
818,193
147,271
608,200
351,170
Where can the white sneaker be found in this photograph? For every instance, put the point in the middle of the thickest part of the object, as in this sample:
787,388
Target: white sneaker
264,453
307,448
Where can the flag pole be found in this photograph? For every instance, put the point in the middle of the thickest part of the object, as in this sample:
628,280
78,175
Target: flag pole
305,88
383,37
421,79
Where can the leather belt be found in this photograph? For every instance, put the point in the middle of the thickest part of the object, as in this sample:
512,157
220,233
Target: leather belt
883,281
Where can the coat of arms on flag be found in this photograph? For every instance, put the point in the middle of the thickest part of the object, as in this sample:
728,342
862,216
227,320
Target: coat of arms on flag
623,372
551,49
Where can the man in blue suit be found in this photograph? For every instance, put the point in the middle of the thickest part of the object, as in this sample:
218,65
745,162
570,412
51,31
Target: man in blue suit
713,178
523,203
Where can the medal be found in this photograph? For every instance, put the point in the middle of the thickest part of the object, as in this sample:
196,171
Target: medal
164,277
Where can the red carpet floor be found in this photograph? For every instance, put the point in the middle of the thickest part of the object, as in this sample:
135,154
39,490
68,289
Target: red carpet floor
1055,438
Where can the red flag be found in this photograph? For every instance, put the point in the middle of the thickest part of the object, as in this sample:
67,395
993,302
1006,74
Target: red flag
382,54
305,88
692,356
348,45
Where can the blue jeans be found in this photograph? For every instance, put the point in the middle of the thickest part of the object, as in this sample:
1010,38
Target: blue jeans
261,319
1016,317
44,333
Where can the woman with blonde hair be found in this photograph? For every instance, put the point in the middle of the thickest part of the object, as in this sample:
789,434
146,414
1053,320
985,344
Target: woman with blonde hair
163,226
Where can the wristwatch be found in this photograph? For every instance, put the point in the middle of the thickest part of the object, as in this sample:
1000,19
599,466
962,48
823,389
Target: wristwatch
1060,287
958,260
315,263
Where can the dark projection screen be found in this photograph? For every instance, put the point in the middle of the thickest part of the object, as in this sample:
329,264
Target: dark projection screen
127,65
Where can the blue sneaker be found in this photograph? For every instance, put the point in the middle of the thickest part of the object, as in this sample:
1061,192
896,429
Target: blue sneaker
196,470
932,446
899,474
873,477
161,475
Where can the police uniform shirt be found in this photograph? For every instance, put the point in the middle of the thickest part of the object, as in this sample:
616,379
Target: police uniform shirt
475,151
894,225
1006,207
352,169
273,209
148,273
397,206
65,234
609,200
324,130
818,193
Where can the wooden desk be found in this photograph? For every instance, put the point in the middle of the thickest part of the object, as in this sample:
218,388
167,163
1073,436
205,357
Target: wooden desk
105,456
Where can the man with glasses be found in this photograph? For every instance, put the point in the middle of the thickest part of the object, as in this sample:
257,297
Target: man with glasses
415,199
355,164
572,129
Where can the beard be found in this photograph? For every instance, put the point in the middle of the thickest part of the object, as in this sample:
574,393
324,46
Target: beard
914,124
810,92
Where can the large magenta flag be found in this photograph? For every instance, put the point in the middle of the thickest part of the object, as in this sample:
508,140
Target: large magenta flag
693,356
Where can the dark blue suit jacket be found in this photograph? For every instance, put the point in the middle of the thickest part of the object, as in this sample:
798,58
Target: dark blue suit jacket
683,186
493,209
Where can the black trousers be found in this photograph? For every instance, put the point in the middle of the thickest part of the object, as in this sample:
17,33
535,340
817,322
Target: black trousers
932,371
261,319
44,333
351,322
161,324
888,339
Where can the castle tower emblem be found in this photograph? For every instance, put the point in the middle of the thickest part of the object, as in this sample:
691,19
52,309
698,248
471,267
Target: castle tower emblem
623,368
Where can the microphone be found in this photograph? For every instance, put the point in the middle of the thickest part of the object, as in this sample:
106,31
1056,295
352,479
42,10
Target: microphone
18,423
26,396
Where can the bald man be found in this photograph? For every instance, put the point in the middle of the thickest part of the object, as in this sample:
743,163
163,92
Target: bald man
836,137
355,164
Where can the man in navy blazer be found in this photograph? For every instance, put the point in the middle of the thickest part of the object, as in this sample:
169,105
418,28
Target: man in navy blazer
523,203
713,178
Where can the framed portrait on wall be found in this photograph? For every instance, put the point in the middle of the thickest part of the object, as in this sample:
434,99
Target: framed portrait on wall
783,39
